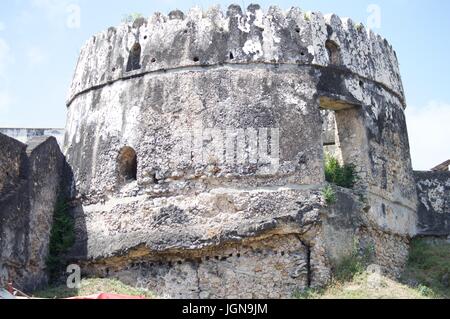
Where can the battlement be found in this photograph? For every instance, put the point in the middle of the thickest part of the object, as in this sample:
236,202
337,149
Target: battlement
213,38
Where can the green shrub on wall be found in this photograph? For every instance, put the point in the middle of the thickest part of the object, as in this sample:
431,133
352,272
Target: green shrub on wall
62,238
329,195
340,175
130,18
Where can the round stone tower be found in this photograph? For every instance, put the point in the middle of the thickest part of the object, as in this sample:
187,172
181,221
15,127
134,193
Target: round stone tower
197,146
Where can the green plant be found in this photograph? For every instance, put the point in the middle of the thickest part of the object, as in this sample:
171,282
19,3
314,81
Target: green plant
425,291
306,17
62,237
354,263
130,18
428,266
359,27
308,293
340,175
329,195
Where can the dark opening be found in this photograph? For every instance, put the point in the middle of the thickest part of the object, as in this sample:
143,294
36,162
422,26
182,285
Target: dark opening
333,52
231,56
196,59
134,60
127,163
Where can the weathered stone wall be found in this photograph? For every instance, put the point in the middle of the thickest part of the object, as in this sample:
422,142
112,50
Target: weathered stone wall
13,208
26,208
273,268
433,190
242,94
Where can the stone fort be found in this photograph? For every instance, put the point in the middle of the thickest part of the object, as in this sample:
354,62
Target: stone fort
194,158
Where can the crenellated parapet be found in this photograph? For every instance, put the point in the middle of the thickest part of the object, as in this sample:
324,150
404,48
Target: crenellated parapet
235,37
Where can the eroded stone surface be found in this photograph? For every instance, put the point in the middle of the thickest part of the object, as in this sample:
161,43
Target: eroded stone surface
433,190
235,37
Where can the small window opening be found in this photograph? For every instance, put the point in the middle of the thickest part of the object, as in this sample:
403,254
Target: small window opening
196,59
231,56
134,60
127,163
330,138
333,52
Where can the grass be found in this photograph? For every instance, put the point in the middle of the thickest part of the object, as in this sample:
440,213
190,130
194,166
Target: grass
422,279
340,175
361,287
428,266
353,264
329,195
93,286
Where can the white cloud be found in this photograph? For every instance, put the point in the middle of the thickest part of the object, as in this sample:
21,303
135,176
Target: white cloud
35,56
429,134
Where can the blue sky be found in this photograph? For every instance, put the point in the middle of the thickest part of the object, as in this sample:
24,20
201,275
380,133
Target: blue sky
40,41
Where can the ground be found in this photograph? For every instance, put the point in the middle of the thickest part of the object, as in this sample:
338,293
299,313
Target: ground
425,277
93,286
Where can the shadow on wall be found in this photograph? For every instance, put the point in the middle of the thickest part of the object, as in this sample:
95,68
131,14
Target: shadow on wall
32,178
78,252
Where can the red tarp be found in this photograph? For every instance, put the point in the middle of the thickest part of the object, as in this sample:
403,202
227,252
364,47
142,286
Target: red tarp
108,296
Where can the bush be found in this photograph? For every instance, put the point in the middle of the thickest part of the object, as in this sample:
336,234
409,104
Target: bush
62,237
428,266
340,175
329,195
353,264
130,18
